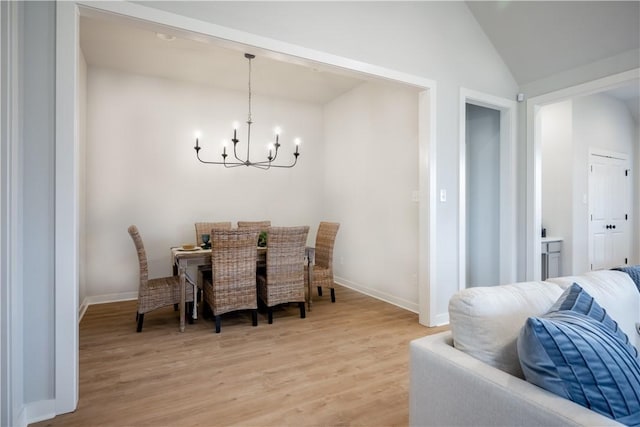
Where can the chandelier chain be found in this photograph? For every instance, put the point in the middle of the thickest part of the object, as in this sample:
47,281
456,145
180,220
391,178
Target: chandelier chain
249,118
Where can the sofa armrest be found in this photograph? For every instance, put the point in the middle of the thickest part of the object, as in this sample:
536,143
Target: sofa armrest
451,388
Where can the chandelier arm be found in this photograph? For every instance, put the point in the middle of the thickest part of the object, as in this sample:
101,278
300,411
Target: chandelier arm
207,161
272,165
275,155
235,154
233,165
224,162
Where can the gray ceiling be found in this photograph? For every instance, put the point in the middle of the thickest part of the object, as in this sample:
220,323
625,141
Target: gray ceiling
537,39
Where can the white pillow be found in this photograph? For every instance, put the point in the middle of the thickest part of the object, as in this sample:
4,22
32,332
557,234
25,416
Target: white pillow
486,321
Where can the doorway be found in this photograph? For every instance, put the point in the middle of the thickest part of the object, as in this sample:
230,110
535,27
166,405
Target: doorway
487,190
483,195
580,221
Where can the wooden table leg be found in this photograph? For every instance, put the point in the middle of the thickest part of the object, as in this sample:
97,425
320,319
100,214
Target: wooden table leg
183,297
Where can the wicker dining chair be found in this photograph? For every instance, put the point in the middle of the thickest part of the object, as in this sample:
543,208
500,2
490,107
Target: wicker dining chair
233,280
323,264
259,225
204,271
284,279
206,227
155,293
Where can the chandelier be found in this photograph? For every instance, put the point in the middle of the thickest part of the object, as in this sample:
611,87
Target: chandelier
236,160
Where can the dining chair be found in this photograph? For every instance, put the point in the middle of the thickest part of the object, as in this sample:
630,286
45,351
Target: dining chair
261,226
155,293
284,278
206,227
232,286
323,264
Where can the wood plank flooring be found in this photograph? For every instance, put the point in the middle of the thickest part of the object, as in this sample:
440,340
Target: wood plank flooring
345,364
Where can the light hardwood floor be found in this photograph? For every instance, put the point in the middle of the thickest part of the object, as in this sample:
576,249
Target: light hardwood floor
345,364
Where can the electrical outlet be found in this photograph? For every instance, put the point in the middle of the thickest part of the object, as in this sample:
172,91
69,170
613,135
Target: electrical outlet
443,195
415,196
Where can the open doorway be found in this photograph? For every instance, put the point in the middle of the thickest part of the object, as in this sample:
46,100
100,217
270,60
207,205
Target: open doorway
67,163
487,194
565,129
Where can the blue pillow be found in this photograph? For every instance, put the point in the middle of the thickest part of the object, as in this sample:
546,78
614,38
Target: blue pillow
578,352
578,300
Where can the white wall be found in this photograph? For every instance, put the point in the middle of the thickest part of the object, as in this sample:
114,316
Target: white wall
569,130
557,176
141,169
483,196
371,170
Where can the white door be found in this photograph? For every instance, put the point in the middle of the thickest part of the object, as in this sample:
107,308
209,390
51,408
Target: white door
609,196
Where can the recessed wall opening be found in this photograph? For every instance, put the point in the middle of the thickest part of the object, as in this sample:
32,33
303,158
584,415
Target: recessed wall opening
68,199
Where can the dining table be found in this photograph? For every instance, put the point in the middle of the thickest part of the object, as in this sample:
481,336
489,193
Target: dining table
184,258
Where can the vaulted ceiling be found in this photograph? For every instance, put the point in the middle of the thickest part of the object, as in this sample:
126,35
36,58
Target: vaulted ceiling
537,39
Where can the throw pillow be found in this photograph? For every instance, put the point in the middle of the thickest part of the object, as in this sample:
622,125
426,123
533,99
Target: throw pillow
576,299
577,351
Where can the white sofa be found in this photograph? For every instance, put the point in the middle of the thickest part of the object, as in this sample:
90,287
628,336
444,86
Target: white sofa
479,381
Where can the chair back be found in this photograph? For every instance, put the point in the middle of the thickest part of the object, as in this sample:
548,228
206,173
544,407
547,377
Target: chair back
285,255
325,240
233,262
258,225
142,255
206,227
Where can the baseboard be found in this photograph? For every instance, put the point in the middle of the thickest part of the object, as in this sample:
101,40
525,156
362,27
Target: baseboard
39,411
104,299
442,319
83,309
382,296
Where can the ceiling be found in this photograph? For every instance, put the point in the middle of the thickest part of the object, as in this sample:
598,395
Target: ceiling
122,45
536,39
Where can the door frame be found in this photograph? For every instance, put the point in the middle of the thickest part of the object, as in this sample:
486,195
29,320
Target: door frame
508,201
534,157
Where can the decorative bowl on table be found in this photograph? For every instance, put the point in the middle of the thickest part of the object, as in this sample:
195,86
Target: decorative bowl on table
188,247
